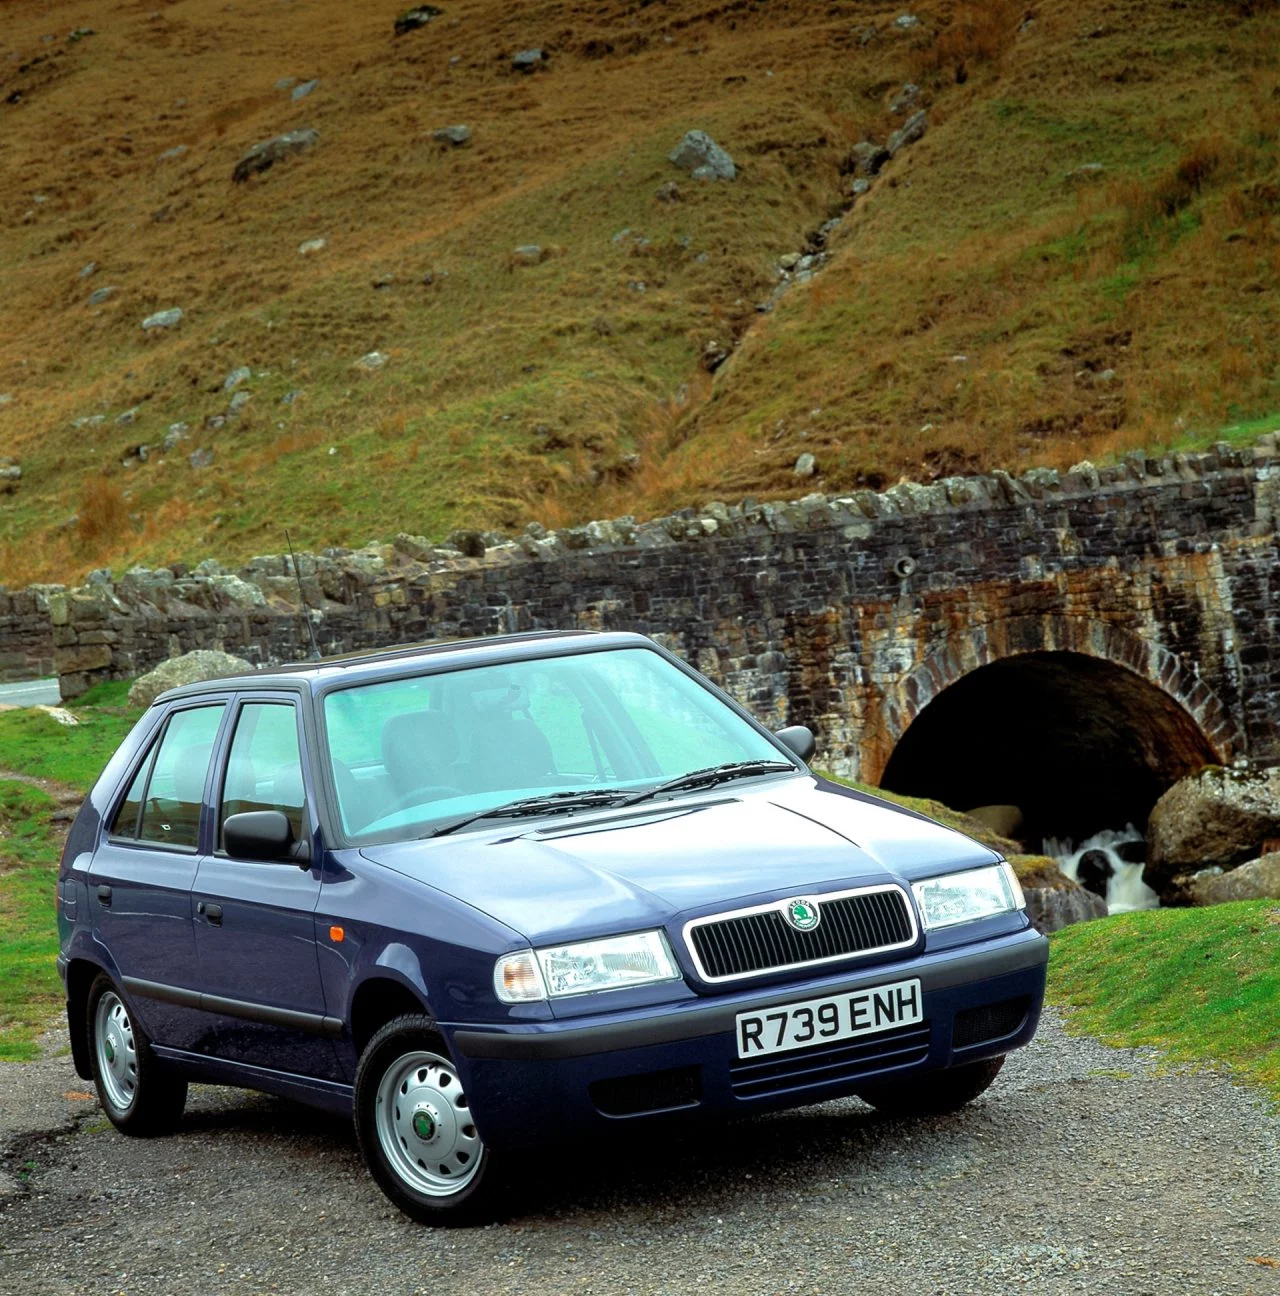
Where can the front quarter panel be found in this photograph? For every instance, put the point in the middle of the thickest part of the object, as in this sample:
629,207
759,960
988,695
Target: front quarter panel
397,929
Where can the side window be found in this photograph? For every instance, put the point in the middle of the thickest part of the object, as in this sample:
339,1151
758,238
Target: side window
175,790
126,820
264,766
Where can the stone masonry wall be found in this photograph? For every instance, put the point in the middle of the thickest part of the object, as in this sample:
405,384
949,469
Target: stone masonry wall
845,613
26,634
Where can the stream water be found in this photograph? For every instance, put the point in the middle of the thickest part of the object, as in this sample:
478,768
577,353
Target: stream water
1110,865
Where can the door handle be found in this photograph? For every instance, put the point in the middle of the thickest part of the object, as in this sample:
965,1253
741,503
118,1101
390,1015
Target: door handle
104,896
212,912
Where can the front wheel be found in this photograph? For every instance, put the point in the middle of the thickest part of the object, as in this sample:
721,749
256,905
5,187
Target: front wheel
137,1093
935,1093
416,1131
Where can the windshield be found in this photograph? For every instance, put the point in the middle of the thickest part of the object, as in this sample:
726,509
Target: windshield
409,754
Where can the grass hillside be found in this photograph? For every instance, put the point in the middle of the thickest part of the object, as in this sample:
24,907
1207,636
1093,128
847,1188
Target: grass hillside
1080,257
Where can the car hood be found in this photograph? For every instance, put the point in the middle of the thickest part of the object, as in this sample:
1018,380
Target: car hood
610,871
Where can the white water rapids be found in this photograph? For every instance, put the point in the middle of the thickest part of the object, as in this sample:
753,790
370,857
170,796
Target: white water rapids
1099,863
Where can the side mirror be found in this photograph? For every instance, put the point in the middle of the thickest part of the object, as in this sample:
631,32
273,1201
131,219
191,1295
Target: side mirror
264,835
800,740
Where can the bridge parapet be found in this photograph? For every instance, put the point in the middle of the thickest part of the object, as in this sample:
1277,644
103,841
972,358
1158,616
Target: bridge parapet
849,612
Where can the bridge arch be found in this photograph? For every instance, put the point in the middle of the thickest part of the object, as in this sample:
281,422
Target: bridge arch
1079,723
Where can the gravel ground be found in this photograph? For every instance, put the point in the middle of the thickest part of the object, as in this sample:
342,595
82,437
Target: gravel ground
1084,1169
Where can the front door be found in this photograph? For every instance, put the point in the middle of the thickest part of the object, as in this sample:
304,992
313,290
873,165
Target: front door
142,873
255,919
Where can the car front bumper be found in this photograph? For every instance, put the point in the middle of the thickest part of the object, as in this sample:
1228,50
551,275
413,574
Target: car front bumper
530,1085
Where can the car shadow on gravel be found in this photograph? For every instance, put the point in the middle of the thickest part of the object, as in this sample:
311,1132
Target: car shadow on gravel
638,1167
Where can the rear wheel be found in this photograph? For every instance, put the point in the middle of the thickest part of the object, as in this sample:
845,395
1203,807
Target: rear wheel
416,1131
936,1093
137,1093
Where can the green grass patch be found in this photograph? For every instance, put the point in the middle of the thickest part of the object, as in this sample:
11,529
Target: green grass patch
32,742
1202,984
29,989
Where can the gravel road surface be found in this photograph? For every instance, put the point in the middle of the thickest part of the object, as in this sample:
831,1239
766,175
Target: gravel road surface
1084,1169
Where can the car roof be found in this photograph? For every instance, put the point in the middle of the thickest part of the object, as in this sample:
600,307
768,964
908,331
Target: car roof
406,659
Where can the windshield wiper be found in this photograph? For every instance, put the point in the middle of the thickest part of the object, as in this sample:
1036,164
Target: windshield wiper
545,803
712,775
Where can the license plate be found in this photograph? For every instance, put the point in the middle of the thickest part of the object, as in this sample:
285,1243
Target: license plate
824,1021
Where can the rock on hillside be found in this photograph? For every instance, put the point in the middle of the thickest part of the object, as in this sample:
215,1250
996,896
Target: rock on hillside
1218,818
263,156
190,668
700,155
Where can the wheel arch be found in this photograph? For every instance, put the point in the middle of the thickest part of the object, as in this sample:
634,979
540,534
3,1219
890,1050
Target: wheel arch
378,999
81,974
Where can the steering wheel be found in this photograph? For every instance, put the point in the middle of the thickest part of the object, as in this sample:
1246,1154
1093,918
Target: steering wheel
419,795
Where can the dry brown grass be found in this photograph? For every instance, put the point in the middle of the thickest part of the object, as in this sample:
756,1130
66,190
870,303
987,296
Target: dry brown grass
574,388
976,33
103,514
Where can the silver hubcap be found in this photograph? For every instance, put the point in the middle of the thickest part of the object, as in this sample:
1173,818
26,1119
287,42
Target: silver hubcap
424,1125
117,1054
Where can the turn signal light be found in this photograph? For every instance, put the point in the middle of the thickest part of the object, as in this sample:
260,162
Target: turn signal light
337,934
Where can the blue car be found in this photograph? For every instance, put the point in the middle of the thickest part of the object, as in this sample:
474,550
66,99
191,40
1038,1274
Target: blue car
486,896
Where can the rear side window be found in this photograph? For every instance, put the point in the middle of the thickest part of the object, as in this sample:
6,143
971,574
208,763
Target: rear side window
264,768
126,823
162,805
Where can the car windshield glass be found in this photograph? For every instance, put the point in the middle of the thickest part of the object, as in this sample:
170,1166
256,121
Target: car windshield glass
409,755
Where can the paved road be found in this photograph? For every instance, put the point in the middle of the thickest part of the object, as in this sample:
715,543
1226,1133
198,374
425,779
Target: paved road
1083,1170
30,693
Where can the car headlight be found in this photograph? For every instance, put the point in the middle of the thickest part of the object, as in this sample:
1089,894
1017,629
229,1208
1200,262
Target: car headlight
963,897
607,964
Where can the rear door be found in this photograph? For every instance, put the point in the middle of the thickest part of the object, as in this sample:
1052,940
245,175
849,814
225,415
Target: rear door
141,877
255,919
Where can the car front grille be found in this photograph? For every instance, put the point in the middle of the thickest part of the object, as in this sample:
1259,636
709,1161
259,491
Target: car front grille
759,940
806,1068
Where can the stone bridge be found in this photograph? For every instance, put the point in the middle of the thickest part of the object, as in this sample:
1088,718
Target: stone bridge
1071,643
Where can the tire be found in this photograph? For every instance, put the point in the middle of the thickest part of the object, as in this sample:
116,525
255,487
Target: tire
936,1093
139,1096
414,1127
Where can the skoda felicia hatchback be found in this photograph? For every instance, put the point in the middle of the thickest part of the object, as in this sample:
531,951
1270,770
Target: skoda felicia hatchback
484,896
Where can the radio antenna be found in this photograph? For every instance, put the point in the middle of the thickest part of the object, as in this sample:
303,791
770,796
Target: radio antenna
306,607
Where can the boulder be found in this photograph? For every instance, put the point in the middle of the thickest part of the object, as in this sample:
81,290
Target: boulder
1257,880
165,319
1007,820
1051,909
1218,818
190,668
1054,901
418,16
911,130
528,60
868,157
702,157
455,135
904,99
262,157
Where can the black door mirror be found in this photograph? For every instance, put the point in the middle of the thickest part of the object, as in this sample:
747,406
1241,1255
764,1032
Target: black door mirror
799,739
264,835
